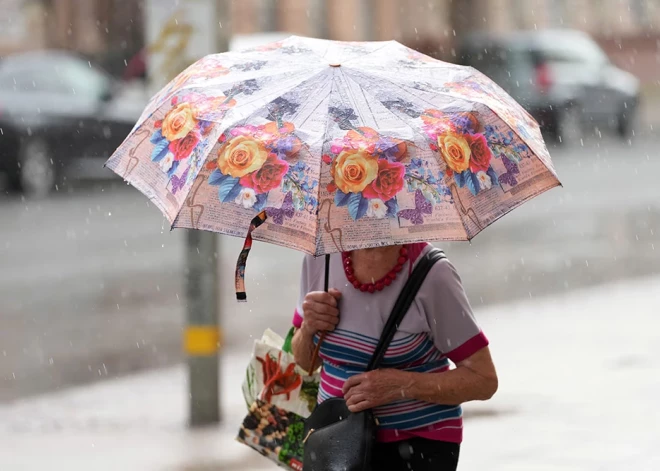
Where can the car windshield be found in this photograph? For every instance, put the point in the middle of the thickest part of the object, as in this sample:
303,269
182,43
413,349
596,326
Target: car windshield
83,79
58,75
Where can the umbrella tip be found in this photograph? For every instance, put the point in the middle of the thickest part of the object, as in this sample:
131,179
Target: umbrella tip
334,64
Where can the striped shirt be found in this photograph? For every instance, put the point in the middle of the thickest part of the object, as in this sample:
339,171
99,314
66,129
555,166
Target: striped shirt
438,328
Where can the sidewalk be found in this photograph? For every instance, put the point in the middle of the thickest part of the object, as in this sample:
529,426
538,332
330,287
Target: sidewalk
579,388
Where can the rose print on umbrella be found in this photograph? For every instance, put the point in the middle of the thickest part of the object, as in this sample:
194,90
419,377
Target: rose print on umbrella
366,171
177,135
464,150
254,160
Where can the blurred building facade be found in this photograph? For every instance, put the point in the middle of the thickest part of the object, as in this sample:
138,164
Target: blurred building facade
112,28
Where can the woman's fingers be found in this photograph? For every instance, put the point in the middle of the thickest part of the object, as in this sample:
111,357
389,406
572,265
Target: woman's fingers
360,406
354,399
319,308
350,383
323,297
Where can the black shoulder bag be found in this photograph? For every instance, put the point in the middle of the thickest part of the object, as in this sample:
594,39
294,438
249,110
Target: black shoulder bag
338,440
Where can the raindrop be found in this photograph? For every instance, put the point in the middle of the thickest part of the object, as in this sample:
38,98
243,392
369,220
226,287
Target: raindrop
586,262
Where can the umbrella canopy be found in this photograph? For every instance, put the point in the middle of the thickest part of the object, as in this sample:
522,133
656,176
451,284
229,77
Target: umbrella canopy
336,145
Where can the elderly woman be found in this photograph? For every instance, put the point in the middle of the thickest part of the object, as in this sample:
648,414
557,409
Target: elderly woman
415,396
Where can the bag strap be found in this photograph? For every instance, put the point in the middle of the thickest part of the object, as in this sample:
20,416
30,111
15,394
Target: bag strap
403,303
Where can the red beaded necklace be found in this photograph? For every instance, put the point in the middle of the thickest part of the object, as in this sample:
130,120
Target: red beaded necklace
380,284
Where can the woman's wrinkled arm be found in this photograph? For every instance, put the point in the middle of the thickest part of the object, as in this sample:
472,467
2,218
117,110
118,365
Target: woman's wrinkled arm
303,346
473,379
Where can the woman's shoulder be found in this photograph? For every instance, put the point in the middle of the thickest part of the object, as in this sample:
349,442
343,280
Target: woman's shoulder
443,271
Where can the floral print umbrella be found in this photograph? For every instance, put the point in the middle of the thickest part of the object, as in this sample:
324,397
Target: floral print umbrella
327,146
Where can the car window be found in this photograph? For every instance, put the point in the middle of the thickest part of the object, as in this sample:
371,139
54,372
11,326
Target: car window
574,50
497,62
82,79
31,80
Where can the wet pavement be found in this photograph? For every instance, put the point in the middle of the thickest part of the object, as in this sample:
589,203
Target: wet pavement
91,285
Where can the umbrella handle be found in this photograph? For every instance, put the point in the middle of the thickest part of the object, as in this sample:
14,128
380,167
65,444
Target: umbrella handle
317,349
315,356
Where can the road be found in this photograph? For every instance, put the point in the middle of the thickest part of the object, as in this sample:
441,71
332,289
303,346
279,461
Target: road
92,280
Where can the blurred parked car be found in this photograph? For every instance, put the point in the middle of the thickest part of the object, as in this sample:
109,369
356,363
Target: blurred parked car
562,77
59,115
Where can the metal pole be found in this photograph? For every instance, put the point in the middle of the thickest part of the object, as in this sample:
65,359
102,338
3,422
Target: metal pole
203,333
269,15
368,16
319,19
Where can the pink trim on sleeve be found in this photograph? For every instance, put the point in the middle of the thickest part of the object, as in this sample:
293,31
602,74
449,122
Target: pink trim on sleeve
297,319
468,348
414,251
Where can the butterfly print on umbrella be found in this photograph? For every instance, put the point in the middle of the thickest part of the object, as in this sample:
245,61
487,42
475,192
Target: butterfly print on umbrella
509,177
179,182
422,207
343,117
280,107
277,215
248,66
403,107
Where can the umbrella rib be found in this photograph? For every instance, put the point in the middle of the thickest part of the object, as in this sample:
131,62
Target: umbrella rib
325,132
387,43
280,93
477,100
362,72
